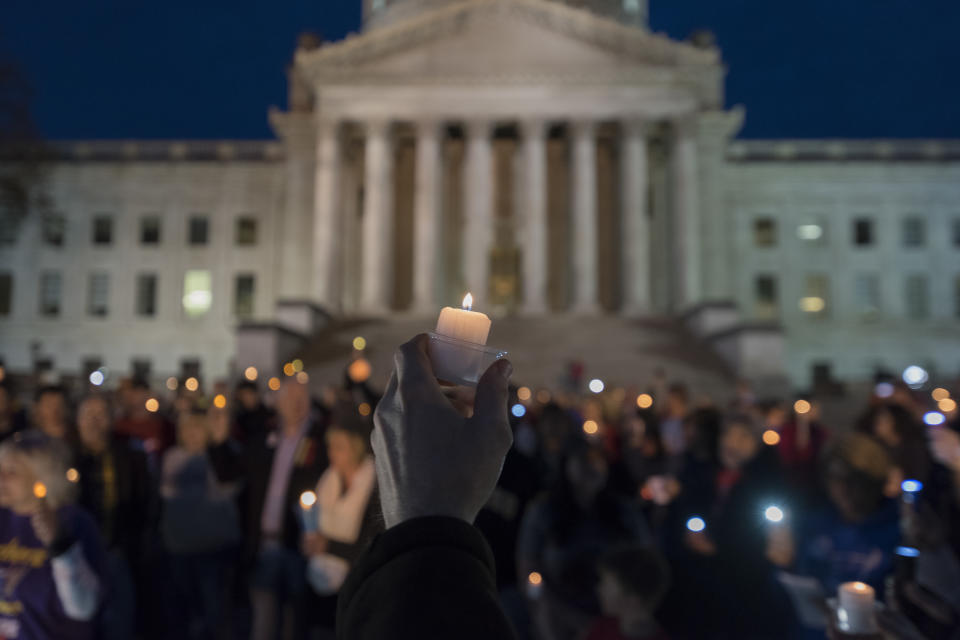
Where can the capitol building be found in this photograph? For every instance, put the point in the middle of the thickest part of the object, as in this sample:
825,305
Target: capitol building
580,175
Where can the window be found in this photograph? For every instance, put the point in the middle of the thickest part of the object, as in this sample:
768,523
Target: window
863,232
764,232
765,294
53,229
376,5
9,226
866,293
246,231
244,295
146,295
98,294
90,364
918,296
816,295
6,293
956,232
102,230
198,231
197,293
914,232
50,287
812,232
141,368
150,230
189,368
631,6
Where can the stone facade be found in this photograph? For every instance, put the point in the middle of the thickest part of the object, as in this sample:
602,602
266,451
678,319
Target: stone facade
550,157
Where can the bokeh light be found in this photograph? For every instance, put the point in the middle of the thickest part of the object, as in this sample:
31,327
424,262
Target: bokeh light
801,406
534,578
915,376
308,499
934,418
696,524
907,552
518,410
288,369
152,405
172,383
644,401
883,390
947,405
297,365
773,513
96,378
543,396
273,384
590,427
939,394
359,343
523,393
250,373
911,486
40,490
359,370
771,437
364,409
191,384
219,401
302,377
73,475
596,385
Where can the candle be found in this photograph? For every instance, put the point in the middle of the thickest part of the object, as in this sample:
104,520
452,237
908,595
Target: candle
308,514
464,324
534,585
856,607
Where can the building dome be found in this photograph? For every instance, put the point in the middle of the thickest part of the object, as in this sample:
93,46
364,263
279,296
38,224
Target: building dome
377,13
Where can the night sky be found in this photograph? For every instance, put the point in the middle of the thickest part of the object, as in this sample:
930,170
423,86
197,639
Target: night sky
210,69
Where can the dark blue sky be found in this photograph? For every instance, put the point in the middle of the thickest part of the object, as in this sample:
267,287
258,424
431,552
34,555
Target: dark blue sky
210,68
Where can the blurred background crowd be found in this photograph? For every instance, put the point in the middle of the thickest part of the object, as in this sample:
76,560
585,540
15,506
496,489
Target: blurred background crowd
647,512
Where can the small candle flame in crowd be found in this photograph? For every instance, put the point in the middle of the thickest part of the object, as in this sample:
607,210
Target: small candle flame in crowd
467,302
771,437
801,407
644,401
308,499
535,578
73,475
40,490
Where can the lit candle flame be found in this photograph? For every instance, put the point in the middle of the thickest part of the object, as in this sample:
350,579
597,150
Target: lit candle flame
40,490
468,302
308,499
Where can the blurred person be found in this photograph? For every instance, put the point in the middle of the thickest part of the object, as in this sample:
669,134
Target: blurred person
51,559
276,468
251,416
563,534
672,420
802,440
12,417
51,412
115,489
345,518
902,434
149,430
430,574
199,527
632,584
642,454
555,427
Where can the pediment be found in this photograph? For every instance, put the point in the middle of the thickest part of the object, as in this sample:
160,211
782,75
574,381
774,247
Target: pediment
502,39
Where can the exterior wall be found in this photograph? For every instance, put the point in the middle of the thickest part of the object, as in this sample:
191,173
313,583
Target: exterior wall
835,192
377,13
128,190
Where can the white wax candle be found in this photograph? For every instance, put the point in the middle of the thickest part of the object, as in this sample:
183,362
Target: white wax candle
464,324
856,601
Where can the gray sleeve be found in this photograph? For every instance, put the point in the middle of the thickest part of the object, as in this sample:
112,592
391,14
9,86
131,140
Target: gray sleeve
77,585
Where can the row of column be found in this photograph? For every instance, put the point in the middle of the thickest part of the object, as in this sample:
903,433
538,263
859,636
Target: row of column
478,222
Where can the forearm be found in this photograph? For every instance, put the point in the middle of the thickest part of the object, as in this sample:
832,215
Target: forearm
78,586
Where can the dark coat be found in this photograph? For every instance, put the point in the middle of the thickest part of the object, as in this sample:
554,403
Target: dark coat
426,578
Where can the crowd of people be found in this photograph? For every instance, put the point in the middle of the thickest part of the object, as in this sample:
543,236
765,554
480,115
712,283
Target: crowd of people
634,513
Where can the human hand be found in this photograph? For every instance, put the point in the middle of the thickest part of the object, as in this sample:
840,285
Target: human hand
430,458
661,489
313,544
780,546
45,523
701,543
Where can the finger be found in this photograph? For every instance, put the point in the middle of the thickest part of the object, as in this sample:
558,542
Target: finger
493,393
386,404
414,370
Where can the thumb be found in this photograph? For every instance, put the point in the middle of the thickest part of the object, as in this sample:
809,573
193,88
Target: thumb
492,393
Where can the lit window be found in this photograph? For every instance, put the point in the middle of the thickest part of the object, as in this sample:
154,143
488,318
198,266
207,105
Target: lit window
198,230
246,231
918,296
812,232
914,232
98,294
150,230
765,293
244,295
863,232
141,368
867,296
54,227
50,288
6,293
102,230
765,232
631,6
816,295
147,295
197,292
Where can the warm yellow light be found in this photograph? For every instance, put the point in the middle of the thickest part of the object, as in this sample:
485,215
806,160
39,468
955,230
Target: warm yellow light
771,437
152,405
801,407
644,401
359,343
288,369
859,586
359,370
946,405
219,401
192,384
308,499
302,377
40,490
172,383
535,578
940,394
72,475
364,409
812,304
467,302
250,373
273,384
543,396
523,393
297,365
590,427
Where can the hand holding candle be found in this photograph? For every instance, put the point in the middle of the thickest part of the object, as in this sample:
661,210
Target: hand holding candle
458,348
309,517
856,604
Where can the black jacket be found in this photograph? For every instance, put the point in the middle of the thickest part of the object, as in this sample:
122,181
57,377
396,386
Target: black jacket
426,578
252,463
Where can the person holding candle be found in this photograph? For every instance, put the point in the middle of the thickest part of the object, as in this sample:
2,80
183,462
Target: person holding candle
51,558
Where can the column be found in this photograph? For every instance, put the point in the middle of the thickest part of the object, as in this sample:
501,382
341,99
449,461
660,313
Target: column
426,222
377,233
535,217
327,221
584,198
478,210
635,228
686,213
